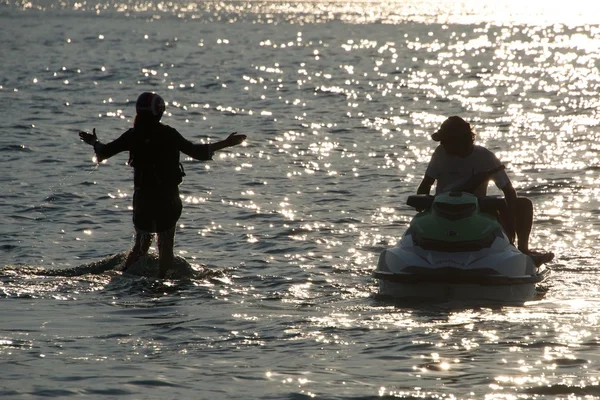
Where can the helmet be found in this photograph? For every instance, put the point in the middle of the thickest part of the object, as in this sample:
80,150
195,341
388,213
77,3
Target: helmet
150,103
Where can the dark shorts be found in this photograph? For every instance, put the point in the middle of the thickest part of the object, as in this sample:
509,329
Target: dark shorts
156,210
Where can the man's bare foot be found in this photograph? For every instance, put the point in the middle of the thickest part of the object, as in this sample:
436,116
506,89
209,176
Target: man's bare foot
540,257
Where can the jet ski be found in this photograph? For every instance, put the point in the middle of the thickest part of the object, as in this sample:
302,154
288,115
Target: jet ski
456,248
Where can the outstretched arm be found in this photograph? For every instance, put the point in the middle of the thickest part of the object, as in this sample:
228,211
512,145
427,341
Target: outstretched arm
232,140
205,151
104,151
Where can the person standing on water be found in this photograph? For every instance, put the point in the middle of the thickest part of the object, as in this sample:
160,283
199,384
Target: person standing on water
154,155
458,158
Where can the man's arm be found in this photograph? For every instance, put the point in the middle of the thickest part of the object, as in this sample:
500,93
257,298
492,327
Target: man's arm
205,151
232,140
104,151
425,185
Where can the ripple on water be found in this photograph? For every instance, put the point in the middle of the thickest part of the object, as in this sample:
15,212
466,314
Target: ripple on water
339,100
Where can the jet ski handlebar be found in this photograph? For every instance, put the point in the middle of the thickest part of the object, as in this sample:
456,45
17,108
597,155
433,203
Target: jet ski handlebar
487,204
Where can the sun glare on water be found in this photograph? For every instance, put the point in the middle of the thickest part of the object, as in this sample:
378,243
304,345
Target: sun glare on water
536,12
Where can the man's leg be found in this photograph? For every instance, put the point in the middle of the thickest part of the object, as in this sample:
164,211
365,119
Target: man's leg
140,248
524,223
166,241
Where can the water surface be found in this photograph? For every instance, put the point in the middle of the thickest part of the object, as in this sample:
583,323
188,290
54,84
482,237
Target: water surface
338,100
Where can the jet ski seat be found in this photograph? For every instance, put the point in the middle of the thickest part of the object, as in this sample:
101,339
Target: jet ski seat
487,204
492,204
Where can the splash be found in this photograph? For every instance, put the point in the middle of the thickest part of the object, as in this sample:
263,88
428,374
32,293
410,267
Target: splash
147,267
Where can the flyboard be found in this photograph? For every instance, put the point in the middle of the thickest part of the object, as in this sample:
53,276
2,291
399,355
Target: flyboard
147,267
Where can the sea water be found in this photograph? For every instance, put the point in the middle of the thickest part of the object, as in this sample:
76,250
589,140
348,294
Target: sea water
338,100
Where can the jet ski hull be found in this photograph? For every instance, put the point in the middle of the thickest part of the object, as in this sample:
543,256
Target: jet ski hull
500,273
455,247
509,293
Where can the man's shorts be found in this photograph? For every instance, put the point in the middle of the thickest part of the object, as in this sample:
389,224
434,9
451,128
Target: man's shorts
156,210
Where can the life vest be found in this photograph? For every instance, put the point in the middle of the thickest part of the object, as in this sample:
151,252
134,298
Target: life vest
154,157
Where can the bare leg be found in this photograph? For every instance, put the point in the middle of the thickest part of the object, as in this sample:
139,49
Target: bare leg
524,223
166,241
140,248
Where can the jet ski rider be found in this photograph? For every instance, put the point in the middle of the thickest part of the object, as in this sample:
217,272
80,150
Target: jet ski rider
458,158
154,155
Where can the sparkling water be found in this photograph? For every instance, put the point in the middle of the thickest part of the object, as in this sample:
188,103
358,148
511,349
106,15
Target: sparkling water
338,100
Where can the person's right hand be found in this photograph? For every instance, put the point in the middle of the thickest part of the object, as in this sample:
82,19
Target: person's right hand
89,138
234,139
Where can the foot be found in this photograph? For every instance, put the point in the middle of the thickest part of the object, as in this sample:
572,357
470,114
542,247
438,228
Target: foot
539,257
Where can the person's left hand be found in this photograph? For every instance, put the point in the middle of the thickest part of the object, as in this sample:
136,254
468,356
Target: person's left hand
89,138
234,139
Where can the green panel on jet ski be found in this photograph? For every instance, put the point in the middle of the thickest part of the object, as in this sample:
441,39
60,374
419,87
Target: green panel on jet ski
455,217
468,229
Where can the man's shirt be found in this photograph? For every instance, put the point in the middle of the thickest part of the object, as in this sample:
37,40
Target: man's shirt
451,171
